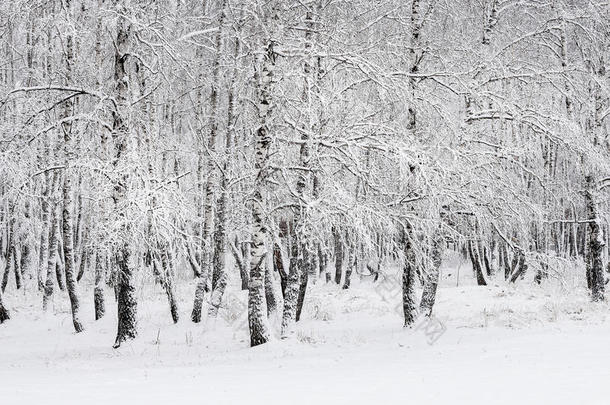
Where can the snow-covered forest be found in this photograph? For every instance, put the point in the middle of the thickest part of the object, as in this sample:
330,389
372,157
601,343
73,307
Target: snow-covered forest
184,181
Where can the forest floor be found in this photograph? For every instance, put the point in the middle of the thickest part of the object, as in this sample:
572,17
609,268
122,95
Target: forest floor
499,344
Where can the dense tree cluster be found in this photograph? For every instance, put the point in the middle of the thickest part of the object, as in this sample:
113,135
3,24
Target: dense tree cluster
298,141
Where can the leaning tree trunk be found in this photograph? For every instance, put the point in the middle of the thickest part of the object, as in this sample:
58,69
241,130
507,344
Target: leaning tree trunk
60,265
476,263
6,273
242,260
163,272
4,314
486,260
125,280
521,266
429,294
505,261
304,279
278,265
83,263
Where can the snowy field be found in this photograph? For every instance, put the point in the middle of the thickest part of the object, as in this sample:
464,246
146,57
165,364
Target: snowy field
489,345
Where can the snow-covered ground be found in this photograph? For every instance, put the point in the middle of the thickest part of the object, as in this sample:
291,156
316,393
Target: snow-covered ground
489,345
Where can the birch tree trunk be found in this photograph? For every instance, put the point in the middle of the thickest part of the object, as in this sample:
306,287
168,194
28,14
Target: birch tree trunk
101,256
98,291
60,264
408,277
304,279
83,263
13,256
351,261
165,276
242,259
52,257
521,266
292,283
505,261
257,316
25,257
4,313
202,282
596,241
475,258
269,290
43,256
278,265
338,255
298,274
595,230
125,283
69,253
208,246
429,294
219,273
11,259
67,221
